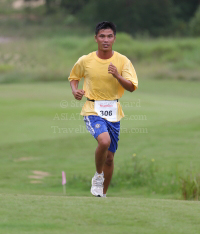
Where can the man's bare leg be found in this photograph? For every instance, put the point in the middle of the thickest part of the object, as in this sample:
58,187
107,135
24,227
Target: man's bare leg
108,170
102,151
100,158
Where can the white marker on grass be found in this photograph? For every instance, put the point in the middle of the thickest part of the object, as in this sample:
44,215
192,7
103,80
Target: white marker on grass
64,182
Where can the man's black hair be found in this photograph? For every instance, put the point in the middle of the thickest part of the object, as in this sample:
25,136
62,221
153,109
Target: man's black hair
105,25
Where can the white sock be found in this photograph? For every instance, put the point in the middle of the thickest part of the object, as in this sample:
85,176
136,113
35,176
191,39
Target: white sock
99,173
104,195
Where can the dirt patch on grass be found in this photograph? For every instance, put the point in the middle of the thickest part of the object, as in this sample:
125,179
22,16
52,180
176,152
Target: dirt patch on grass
38,176
41,173
23,159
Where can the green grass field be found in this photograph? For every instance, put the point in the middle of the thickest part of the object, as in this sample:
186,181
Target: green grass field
37,134
42,134
49,214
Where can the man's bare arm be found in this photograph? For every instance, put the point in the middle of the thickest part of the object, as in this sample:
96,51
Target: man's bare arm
126,84
78,93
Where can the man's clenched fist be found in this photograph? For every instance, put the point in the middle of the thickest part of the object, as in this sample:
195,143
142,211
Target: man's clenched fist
78,94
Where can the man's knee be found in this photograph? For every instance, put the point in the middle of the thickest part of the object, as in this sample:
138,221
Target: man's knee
109,159
104,141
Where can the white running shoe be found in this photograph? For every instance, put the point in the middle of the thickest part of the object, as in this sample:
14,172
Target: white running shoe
97,185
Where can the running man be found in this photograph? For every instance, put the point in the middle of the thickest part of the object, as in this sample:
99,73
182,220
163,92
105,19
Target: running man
106,74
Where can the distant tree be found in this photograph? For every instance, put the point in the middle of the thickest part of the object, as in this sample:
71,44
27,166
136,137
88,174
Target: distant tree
132,16
153,17
73,6
195,23
185,9
50,4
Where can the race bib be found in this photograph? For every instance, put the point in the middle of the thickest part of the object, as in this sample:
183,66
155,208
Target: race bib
106,109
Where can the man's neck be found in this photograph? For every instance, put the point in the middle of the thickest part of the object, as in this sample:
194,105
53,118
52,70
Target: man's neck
104,54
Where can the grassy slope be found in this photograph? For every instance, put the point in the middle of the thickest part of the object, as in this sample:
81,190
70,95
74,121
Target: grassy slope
47,214
43,58
45,47
43,50
27,113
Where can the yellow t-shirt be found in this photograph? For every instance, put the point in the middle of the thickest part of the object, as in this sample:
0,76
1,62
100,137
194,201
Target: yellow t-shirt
98,83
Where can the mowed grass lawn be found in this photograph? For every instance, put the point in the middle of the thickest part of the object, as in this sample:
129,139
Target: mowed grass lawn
41,131
51,214
42,134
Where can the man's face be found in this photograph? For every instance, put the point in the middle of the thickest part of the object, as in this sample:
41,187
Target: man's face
105,39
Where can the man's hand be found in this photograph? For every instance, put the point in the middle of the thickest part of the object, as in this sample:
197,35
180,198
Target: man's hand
78,94
113,70
126,84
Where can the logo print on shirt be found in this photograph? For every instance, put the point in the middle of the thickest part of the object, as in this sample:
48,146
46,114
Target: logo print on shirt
97,126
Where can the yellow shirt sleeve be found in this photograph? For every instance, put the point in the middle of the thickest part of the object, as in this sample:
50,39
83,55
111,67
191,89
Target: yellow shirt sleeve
77,71
128,72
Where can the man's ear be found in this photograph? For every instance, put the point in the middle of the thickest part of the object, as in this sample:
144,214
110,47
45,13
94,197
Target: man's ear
95,38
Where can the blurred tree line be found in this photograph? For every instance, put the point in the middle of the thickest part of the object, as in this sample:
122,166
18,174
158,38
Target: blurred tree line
137,17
